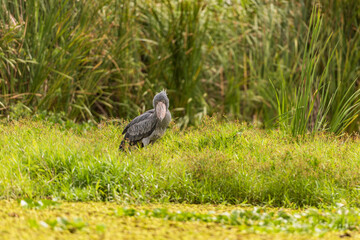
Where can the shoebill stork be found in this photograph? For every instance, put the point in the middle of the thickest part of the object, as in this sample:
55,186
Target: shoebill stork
149,126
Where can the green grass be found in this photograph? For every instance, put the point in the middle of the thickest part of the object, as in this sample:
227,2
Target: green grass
213,163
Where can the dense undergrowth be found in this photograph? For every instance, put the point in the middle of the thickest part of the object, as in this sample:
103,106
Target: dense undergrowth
257,61
213,163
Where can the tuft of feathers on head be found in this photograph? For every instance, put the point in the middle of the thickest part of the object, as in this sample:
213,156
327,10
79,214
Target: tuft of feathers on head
161,96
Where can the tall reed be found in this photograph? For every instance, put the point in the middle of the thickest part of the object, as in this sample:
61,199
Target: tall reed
248,60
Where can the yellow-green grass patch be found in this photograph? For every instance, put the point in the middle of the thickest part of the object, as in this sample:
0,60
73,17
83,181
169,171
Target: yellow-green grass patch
100,222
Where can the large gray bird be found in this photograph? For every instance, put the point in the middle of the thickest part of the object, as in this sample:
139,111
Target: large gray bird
149,126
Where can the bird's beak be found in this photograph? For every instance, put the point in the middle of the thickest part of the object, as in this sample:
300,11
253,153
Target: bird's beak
160,110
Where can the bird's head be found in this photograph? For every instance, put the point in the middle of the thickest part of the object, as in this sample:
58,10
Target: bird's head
161,104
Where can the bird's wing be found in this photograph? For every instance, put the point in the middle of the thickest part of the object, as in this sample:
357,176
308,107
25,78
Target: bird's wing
138,119
141,129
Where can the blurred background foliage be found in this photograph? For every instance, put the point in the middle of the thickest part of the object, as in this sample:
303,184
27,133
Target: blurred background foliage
292,64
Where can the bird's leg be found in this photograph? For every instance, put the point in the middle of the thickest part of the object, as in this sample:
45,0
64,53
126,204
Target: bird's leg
140,145
145,142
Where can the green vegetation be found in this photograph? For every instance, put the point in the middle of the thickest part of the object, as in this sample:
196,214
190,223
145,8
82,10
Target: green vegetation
30,203
311,221
69,68
175,221
280,63
213,163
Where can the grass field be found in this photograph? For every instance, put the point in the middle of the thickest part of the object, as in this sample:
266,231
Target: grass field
218,166
213,163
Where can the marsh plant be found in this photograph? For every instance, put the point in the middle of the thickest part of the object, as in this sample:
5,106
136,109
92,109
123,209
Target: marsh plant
289,64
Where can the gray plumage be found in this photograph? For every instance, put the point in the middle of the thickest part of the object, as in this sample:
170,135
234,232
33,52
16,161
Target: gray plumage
149,126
